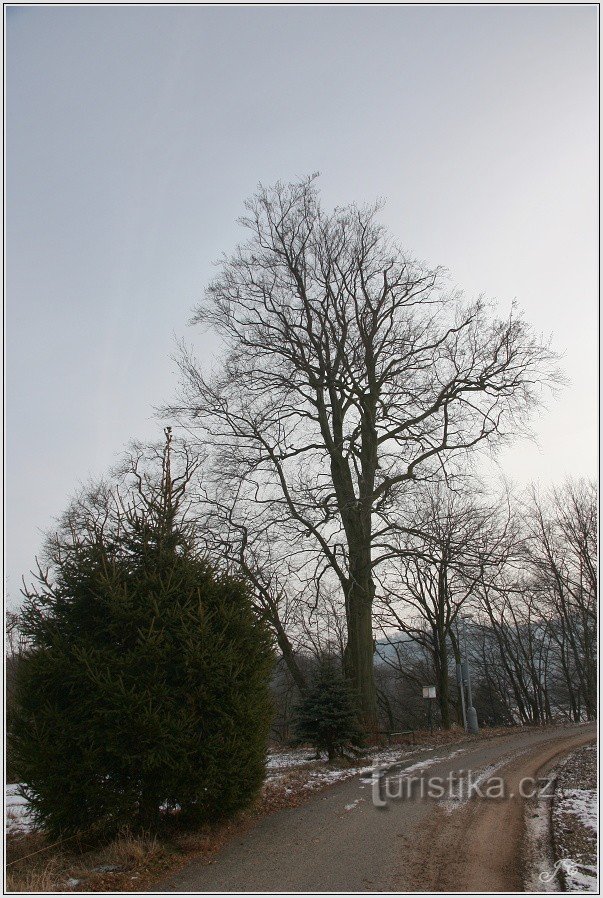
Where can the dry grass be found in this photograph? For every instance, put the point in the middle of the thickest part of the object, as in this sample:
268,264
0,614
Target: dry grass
126,863
130,850
39,878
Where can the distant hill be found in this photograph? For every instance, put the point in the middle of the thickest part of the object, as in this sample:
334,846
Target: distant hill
399,644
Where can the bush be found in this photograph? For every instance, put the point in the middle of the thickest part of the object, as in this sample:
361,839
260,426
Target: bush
327,718
147,682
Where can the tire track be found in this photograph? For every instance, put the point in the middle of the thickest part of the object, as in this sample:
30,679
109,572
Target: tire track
480,847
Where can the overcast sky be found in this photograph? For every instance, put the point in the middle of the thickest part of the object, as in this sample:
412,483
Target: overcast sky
133,135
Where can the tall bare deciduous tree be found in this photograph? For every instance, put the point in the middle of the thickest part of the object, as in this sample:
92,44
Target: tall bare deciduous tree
350,372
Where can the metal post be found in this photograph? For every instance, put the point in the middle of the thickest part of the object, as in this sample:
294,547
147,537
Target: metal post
459,676
472,724
459,680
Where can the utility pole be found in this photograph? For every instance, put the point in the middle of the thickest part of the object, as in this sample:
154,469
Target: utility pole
472,724
459,680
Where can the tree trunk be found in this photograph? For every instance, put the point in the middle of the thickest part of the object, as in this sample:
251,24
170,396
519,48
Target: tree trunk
358,659
289,657
385,703
457,660
441,667
269,609
359,652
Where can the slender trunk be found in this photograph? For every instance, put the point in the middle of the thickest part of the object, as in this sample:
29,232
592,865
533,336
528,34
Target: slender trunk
387,708
269,609
289,657
443,685
442,648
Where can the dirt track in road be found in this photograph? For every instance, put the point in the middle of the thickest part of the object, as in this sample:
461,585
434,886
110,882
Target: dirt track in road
480,846
339,841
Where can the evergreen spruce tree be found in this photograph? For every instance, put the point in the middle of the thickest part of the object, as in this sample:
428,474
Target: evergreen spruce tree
327,717
147,682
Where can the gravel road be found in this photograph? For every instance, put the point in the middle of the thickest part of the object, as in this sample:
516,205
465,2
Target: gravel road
339,841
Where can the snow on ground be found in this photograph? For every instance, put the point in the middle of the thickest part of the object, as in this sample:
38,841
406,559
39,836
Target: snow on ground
318,775
18,817
582,803
350,807
282,763
575,816
575,820
423,765
392,756
474,784
320,778
285,760
540,873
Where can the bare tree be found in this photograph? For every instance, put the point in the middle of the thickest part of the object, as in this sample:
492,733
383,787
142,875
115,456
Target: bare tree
16,642
561,549
240,536
349,374
452,537
539,606
521,637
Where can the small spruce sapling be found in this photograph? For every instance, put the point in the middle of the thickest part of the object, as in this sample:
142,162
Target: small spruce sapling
327,716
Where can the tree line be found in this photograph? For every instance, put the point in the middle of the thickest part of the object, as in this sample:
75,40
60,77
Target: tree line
508,583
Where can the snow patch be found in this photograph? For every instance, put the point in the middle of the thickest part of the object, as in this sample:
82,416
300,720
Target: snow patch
582,878
578,806
380,761
19,818
471,783
580,803
540,867
284,760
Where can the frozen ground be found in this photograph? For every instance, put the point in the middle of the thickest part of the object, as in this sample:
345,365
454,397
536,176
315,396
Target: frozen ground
317,773
292,774
18,818
575,818
287,760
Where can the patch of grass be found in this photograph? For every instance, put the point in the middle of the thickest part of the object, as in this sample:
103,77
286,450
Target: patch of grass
37,878
125,863
129,850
